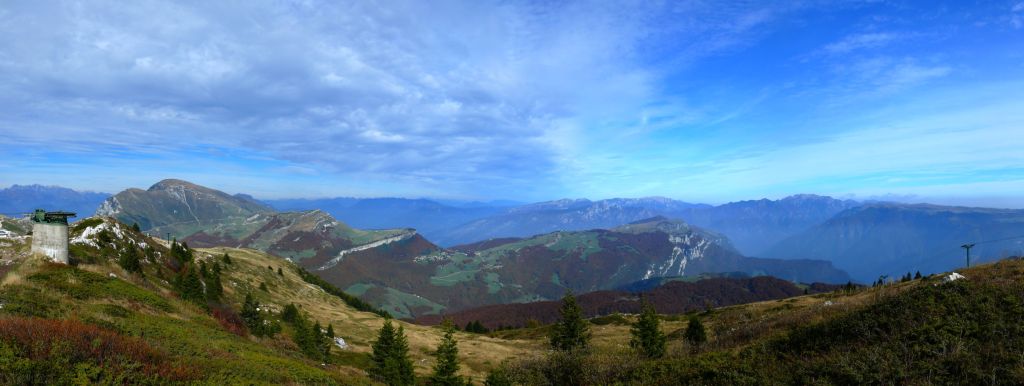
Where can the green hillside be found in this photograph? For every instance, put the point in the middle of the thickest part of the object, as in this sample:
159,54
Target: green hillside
924,331
149,333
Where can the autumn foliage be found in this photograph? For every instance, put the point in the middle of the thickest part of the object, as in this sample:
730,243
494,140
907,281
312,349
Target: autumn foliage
34,350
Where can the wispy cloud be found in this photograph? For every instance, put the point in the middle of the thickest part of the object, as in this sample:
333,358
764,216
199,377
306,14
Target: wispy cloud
861,41
525,100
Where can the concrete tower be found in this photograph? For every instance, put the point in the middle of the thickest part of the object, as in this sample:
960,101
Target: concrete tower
50,234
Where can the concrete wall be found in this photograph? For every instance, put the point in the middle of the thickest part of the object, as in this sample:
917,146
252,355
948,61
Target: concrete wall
51,240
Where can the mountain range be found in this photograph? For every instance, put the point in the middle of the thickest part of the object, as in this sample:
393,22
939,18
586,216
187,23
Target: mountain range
892,239
18,200
865,239
404,272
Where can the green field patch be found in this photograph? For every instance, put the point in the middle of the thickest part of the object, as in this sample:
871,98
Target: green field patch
358,289
400,304
493,282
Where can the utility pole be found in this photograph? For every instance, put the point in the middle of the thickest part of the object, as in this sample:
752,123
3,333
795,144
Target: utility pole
968,247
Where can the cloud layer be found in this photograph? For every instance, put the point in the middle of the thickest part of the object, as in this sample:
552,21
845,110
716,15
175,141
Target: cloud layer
465,99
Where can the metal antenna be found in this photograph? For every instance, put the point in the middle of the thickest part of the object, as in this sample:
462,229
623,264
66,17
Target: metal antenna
968,247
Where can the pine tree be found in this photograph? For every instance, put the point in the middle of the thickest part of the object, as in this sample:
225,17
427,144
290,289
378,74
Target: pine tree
150,253
382,348
571,333
391,363
647,335
251,315
917,275
189,285
214,288
226,259
695,333
135,227
129,260
401,363
263,287
289,313
447,367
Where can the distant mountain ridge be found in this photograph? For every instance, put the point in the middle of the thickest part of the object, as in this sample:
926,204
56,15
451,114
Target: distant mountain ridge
431,218
407,274
415,277
892,239
752,226
18,199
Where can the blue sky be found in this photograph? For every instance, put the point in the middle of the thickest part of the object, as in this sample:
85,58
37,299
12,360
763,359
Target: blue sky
694,100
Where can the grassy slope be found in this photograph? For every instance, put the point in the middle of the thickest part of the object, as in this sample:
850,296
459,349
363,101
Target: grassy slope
917,332
144,306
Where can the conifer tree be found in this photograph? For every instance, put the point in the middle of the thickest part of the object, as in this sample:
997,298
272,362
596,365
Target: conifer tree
214,288
695,333
382,348
129,260
189,285
391,363
917,275
447,367
647,336
402,364
571,333
150,253
289,313
251,315
135,227
226,259
280,272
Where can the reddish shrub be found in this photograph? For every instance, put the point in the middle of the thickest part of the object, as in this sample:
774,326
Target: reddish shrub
230,320
75,342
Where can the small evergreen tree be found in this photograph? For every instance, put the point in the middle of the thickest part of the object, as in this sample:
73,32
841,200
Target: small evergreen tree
647,335
571,333
135,227
214,288
279,272
150,253
917,275
400,361
289,313
254,319
129,260
382,348
391,363
695,333
263,287
190,286
447,367
226,259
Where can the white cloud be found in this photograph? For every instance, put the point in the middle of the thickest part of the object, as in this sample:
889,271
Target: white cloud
430,91
861,41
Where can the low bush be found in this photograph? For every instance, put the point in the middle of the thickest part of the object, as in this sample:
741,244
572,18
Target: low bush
45,351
